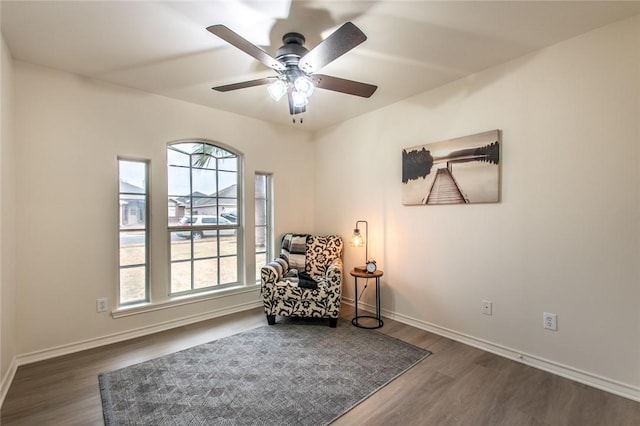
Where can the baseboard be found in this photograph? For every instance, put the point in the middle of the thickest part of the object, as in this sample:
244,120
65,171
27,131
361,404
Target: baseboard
590,379
67,349
568,372
131,334
585,377
7,379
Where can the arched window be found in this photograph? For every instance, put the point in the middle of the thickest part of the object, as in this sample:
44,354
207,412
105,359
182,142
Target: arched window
203,216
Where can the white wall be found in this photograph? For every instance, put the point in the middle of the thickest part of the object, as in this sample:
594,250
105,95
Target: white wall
566,236
8,330
69,131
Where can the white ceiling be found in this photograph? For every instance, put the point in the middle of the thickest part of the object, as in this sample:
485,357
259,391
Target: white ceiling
413,46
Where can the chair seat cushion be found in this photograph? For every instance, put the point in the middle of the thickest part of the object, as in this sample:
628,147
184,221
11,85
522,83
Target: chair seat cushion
285,290
299,279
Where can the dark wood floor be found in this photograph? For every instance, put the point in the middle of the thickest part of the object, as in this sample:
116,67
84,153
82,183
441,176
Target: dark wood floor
457,385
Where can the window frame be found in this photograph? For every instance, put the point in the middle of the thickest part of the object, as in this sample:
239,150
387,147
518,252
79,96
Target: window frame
146,228
217,228
268,232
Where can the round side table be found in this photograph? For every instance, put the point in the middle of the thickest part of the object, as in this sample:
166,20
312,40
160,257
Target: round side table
376,275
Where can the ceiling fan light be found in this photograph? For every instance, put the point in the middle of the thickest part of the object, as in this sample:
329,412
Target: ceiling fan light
277,89
304,86
299,100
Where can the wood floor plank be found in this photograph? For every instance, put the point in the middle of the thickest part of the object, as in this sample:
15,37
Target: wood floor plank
457,385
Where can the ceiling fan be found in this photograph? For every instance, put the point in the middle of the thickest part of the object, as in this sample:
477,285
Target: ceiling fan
296,65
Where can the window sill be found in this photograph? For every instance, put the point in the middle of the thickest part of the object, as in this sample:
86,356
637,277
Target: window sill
173,302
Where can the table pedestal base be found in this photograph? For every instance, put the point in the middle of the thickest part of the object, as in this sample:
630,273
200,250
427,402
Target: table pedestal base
355,322
376,276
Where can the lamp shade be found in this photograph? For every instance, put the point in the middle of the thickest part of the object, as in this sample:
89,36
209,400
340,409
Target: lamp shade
299,100
357,240
277,89
304,86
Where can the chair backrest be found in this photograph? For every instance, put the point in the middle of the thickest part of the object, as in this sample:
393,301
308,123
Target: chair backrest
311,253
321,251
293,249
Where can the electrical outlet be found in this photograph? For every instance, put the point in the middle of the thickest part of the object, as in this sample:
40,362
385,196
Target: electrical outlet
487,307
101,305
550,321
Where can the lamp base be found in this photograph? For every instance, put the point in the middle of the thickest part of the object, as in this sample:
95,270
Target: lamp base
360,269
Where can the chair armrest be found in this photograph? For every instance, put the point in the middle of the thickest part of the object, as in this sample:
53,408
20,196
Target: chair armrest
273,271
333,274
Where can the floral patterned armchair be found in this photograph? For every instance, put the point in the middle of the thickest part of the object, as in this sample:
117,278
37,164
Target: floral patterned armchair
305,280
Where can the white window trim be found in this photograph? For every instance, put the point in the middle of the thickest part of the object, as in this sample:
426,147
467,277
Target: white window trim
147,231
241,243
269,246
188,299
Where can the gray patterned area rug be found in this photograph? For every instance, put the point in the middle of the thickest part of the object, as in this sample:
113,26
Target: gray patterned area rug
285,374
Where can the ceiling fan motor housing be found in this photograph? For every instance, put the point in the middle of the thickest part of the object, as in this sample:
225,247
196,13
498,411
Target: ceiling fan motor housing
292,50
293,37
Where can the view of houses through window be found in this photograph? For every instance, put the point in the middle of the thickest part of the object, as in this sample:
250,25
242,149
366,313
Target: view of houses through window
263,220
204,232
133,230
203,223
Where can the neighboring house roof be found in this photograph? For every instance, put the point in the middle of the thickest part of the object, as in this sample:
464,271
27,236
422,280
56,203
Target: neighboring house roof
226,196
186,200
129,188
229,192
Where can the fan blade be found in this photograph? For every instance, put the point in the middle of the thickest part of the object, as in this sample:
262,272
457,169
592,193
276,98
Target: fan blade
250,49
349,87
337,44
244,84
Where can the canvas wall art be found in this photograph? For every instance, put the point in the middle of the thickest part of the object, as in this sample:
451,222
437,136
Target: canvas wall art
457,171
